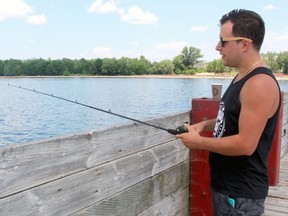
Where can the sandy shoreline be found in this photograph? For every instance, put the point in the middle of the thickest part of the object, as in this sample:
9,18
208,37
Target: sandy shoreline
198,75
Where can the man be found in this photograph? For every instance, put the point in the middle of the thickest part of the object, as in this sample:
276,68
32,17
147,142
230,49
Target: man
246,122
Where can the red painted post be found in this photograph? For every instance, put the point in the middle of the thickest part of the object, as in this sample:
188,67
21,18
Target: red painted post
275,152
200,195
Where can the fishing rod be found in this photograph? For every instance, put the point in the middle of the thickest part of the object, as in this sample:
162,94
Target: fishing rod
179,130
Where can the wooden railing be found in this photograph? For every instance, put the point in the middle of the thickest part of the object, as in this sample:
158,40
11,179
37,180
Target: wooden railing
129,169
284,137
124,170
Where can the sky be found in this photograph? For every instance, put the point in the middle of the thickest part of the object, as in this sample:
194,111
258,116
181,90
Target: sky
155,29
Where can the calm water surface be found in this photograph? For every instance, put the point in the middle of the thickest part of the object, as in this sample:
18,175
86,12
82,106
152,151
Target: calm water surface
27,116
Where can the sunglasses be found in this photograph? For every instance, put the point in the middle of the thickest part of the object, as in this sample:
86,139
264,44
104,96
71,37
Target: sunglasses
223,41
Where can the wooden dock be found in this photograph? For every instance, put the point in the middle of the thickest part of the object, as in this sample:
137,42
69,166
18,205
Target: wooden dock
277,200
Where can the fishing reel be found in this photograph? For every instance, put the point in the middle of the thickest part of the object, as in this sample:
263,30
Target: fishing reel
179,130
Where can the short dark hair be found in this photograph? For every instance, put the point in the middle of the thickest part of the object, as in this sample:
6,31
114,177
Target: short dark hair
247,24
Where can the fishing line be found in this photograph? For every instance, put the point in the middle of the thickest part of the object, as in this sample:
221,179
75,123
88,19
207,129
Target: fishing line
179,130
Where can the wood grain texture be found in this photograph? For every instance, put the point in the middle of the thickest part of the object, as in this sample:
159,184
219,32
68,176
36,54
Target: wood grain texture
166,193
276,203
63,175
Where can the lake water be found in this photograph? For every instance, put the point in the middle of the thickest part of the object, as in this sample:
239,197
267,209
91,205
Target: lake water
27,116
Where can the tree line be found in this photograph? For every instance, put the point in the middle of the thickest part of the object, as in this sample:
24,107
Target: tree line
187,62
277,62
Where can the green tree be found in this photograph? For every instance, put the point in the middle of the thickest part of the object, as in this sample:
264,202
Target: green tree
138,66
162,67
134,67
270,59
282,61
70,66
124,66
55,68
96,66
13,67
109,67
2,63
186,61
35,67
190,57
216,66
83,66
144,64
178,64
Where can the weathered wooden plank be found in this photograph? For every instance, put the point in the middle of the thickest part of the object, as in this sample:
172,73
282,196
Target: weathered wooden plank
280,190
283,175
171,185
284,132
277,201
276,206
72,193
285,111
184,212
285,115
284,121
172,205
284,160
284,146
175,152
285,108
284,165
285,100
274,213
31,164
284,129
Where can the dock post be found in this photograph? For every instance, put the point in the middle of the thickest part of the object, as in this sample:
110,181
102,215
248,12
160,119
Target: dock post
275,152
200,195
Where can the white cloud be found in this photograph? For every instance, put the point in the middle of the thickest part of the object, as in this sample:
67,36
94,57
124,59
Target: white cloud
276,41
103,52
136,15
135,43
172,45
270,7
37,19
199,28
103,7
129,53
31,40
14,8
19,8
165,50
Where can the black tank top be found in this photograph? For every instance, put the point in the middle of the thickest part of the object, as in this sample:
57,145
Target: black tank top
241,176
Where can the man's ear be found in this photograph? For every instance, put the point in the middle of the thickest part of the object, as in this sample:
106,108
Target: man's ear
246,45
